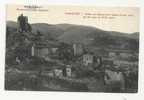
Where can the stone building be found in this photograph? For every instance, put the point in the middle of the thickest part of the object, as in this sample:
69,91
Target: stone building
39,51
68,71
88,59
44,49
78,49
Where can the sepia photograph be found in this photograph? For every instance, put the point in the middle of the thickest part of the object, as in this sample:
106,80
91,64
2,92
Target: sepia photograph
72,49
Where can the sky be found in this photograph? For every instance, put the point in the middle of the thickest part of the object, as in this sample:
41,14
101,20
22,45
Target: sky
121,19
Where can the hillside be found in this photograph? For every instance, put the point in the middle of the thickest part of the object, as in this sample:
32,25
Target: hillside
70,33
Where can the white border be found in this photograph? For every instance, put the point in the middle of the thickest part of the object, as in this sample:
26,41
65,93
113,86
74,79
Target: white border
6,95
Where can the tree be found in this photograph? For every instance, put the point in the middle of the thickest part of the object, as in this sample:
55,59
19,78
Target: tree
65,52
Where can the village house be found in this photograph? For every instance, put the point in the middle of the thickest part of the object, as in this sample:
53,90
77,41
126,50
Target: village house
62,71
40,51
44,49
113,77
120,53
54,50
78,49
58,72
68,71
88,58
124,63
125,55
112,54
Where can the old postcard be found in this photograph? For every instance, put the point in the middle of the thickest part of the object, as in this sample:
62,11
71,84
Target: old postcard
72,48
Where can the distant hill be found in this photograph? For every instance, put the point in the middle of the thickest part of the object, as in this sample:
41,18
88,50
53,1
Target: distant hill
70,33
47,29
80,34
134,35
11,24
